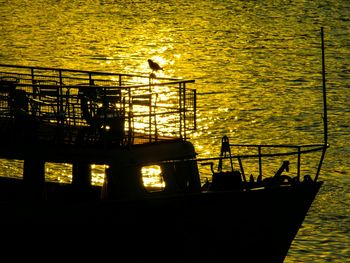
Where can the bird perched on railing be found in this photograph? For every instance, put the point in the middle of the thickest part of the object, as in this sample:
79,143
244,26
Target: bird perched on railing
153,65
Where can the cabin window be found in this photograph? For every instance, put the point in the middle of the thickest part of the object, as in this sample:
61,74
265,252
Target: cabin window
152,178
98,172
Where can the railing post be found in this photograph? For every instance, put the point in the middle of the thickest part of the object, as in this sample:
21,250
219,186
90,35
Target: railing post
260,161
32,73
299,161
34,88
195,109
180,109
91,82
320,163
150,112
155,118
130,132
184,109
242,169
60,76
60,92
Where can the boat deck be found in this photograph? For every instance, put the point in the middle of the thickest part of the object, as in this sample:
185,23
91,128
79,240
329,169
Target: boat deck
63,109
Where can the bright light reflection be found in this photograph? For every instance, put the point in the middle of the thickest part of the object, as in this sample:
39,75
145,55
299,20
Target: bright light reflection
152,178
98,174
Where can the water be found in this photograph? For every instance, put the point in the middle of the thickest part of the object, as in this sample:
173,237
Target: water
257,66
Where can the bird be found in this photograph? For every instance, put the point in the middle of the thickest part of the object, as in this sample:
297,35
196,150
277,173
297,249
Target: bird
153,65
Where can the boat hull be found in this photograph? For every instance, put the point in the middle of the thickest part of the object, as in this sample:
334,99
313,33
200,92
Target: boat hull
228,226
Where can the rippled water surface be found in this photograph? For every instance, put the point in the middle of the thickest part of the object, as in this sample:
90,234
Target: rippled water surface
257,67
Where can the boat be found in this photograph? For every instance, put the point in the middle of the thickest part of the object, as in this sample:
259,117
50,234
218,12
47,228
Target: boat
131,122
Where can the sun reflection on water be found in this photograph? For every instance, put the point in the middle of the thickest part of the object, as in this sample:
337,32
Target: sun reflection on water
151,175
98,173
246,54
152,179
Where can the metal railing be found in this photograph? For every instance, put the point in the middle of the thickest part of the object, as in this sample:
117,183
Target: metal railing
151,108
262,152
258,157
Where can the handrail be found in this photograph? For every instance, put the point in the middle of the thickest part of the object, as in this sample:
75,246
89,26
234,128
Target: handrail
117,86
259,155
318,147
275,145
70,85
82,71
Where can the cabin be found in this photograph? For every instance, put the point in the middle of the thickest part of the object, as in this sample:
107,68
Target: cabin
123,121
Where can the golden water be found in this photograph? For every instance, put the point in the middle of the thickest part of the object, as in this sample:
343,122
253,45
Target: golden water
257,66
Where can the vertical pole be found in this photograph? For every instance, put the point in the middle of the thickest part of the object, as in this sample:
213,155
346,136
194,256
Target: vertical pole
150,110
35,88
60,92
180,109
60,76
299,161
195,109
260,162
130,121
91,82
184,109
155,118
242,169
325,117
32,73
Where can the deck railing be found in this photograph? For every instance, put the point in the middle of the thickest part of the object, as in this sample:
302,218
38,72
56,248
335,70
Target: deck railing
149,108
256,162
277,157
273,155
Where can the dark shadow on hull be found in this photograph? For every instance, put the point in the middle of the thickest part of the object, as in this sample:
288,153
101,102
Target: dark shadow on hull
228,226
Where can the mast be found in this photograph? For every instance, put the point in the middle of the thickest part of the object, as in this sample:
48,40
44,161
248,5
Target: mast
325,117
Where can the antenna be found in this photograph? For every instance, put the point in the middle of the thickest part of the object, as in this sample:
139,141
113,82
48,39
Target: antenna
325,118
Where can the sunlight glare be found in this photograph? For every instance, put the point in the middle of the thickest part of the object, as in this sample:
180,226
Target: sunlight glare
152,178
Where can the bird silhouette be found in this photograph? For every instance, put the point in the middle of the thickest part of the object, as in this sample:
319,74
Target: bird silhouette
153,65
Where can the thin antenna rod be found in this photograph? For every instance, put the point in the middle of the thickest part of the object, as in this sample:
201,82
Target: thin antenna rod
325,118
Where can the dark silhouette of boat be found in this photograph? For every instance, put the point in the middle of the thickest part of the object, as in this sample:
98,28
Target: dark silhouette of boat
129,122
